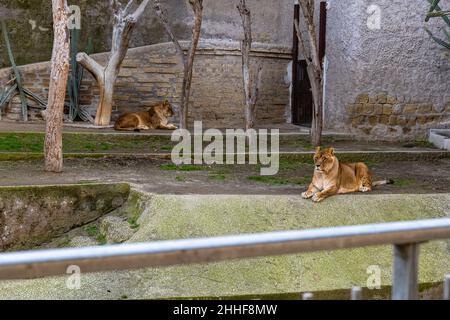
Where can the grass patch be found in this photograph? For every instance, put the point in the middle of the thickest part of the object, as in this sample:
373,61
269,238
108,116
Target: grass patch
180,178
92,230
133,222
85,142
277,180
101,239
64,243
403,182
22,142
182,167
166,148
419,144
218,177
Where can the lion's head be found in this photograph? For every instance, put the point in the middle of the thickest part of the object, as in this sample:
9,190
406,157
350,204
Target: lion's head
324,159
167,109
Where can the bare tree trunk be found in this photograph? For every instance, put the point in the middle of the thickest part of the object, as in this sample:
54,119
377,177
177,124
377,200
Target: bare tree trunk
57,89
310,51
188,61
251,85
107,76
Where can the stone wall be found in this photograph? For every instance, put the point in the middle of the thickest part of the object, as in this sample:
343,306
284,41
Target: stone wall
151,74
30,25
399,60
387,117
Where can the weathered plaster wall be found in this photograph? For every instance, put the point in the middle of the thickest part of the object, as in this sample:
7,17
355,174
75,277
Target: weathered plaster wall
30,24
399,61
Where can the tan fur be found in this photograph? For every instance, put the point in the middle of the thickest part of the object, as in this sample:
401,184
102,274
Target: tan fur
154,118
332,177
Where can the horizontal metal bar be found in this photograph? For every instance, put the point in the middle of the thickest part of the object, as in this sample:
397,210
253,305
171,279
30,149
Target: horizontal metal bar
41,263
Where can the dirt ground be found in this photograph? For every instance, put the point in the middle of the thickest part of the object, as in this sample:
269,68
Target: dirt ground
160,176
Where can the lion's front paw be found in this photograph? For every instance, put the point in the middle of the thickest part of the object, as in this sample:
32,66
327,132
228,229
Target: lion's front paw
317,198
306,195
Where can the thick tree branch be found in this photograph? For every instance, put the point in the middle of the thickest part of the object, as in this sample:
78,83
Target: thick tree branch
90,65
307,7
140,10
303,49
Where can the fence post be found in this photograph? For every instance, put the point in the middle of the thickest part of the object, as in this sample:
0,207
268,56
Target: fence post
404,282
356,293
447,287
308,296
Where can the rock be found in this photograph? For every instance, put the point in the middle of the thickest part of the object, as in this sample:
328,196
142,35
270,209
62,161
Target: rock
387,109
410,109
116,229
362,98
51,211
82,241
382,97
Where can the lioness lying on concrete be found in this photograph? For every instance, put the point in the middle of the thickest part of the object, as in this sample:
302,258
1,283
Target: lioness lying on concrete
332,177
154,118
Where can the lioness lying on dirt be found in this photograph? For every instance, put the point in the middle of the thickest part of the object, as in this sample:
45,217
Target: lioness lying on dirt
332,177
154,118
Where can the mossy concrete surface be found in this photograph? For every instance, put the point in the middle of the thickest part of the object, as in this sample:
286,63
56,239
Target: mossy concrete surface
30,215
328,274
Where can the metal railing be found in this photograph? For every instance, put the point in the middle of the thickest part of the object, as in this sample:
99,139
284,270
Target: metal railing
405,237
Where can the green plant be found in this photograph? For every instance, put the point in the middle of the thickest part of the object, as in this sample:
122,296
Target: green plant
218,177
180,179
435,11
403,182
76,77
91,230
133,222
276,180
183,167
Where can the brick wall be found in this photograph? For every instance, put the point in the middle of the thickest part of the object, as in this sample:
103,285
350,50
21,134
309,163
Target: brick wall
152,73
385,117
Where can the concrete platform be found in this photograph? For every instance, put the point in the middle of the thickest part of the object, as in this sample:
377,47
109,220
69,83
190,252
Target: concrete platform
327,274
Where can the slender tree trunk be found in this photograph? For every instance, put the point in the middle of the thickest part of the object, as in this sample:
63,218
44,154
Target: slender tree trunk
187,61
250,82
310,51
317,119
57,89
197,7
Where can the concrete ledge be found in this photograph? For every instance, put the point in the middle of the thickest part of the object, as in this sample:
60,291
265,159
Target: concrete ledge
30,215
305,156
440,138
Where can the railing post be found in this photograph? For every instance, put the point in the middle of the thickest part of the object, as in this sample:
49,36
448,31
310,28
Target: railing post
308,296
404,282
356,293
447,287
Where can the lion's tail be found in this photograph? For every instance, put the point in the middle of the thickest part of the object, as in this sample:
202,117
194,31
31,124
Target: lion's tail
382,182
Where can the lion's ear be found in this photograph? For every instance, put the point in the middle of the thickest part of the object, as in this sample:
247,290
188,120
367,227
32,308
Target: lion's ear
166,102
331,151
318,149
